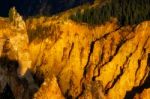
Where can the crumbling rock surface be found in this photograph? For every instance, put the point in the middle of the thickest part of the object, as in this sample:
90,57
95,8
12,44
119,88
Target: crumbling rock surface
15,60
80,61
105,61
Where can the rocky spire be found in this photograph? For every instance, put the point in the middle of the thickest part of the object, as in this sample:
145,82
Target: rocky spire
16,19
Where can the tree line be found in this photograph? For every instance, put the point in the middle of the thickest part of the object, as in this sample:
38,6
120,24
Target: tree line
126,11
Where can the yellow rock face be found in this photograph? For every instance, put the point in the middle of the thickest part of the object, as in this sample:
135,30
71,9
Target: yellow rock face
14,45
113,57
49,90
67,54
81,61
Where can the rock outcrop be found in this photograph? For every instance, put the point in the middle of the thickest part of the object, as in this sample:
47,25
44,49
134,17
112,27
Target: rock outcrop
105,61
16,20
15,60
78,61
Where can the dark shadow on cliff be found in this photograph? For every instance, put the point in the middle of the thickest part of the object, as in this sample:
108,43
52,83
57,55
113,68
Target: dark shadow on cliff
26,85
139,89
7,93
6,63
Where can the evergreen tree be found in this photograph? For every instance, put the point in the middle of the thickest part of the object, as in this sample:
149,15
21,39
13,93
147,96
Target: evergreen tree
127,12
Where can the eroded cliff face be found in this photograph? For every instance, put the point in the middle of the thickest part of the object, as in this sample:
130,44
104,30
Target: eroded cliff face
105,61
79,61
16,81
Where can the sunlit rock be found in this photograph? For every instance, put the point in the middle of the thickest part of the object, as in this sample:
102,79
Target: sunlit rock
16,19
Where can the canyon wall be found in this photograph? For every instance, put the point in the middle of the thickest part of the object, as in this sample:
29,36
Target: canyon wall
72,60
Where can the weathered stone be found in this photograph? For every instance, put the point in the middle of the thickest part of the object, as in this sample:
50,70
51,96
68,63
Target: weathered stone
78,61
16,20
50,90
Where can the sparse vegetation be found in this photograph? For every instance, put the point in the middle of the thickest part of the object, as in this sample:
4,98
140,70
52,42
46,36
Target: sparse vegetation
42,32
127,12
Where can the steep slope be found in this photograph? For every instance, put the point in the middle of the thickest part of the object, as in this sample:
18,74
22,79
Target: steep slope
105,61
72,60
